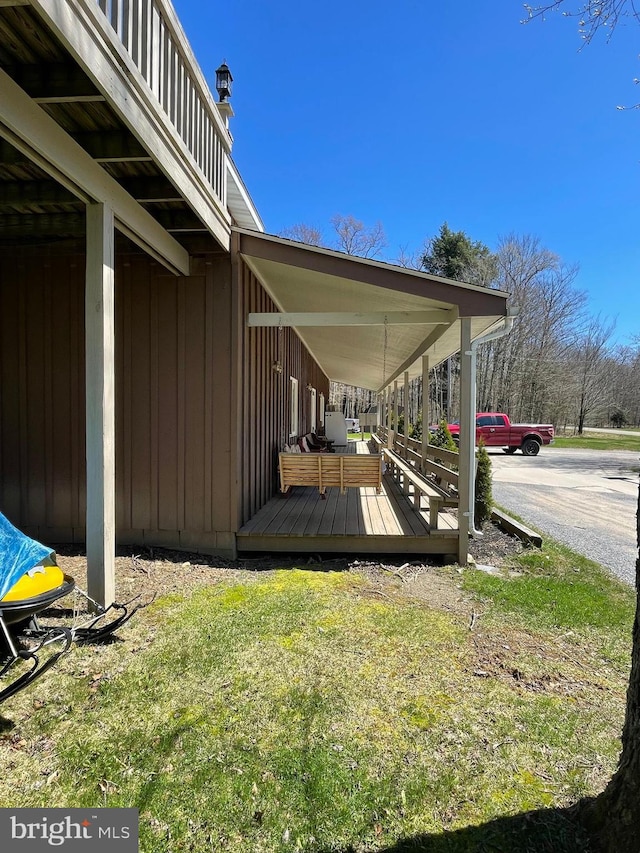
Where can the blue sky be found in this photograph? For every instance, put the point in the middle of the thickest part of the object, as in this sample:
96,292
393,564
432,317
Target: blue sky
414,113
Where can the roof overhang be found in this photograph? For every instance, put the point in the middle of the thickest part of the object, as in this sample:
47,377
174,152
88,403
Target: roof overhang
240,204
365,322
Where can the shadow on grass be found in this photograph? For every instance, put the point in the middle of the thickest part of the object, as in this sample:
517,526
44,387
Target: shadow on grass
540,831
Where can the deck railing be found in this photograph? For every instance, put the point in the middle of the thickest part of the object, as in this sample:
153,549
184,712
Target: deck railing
152,36
431,461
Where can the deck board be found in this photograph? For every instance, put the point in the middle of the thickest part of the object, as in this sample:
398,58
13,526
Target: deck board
325,526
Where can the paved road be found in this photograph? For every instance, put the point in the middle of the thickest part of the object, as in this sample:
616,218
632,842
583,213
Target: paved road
586,499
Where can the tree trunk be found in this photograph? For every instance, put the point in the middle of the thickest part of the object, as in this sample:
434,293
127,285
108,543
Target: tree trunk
581,416
613,818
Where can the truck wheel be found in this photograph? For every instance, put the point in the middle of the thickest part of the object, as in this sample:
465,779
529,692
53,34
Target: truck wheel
530,447
510,450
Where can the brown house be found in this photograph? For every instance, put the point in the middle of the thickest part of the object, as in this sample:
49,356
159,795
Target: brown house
145,391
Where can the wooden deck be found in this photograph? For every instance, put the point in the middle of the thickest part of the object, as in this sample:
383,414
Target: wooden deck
359,521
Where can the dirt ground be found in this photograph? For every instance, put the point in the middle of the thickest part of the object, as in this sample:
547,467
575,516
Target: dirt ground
148,571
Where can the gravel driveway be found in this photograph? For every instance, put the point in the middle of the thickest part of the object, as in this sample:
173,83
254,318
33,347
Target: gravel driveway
585,499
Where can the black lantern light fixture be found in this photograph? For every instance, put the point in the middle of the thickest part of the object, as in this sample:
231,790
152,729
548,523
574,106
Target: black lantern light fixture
223,82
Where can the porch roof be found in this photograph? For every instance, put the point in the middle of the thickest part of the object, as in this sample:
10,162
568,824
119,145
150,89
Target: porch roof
382,301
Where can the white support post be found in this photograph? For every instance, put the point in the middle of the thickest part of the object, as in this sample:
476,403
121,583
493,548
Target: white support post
387,409
384,414
394,418
425,409
100,404
405,403
466,468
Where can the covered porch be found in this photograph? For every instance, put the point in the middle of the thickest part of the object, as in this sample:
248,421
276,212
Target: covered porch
375,326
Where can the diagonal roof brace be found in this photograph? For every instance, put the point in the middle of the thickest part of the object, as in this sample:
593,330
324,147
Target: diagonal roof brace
420,350
434,317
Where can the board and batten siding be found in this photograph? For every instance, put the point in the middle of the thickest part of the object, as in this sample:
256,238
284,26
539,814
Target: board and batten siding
264,394
173,389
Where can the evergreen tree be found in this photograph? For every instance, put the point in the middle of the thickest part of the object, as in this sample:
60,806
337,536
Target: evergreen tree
484,494
442,438
453,255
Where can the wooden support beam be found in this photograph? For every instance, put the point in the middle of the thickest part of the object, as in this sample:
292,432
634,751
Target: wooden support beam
27,126
178,220
112,145
73,224
48,82
70,99
466,468
426,409
339,318
150,190
16,194
394,417
100,404
27,193
105,147
405,403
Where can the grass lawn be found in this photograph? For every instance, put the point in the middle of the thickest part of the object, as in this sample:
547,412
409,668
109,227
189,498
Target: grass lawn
305,710
599,441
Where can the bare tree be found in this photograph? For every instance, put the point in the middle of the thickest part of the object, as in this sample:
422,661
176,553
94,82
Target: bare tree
304,233
592,15
356,238
410,259
590,367
352,236
524,373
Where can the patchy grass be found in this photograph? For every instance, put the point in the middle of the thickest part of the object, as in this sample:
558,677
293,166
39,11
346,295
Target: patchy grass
599,441
316,711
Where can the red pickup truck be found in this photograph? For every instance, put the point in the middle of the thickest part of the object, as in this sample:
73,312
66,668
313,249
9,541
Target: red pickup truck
497,431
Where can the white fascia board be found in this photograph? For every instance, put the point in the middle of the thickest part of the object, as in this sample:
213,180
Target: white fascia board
240,202
340,318
28,127
85,32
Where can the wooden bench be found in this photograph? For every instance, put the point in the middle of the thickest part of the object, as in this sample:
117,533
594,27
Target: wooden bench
322,470
405,473
376,443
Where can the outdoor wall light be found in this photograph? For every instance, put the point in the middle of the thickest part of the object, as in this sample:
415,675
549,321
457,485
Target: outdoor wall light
223,82
277,367
309,386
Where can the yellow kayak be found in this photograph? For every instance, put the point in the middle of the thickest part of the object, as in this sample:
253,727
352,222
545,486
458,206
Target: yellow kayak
36,581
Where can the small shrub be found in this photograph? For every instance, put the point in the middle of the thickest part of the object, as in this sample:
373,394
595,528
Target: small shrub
617,418
442,437
484,495
417,428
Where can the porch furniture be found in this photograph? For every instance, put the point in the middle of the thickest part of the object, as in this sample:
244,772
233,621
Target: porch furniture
324,470
310,443
335,428
405,474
